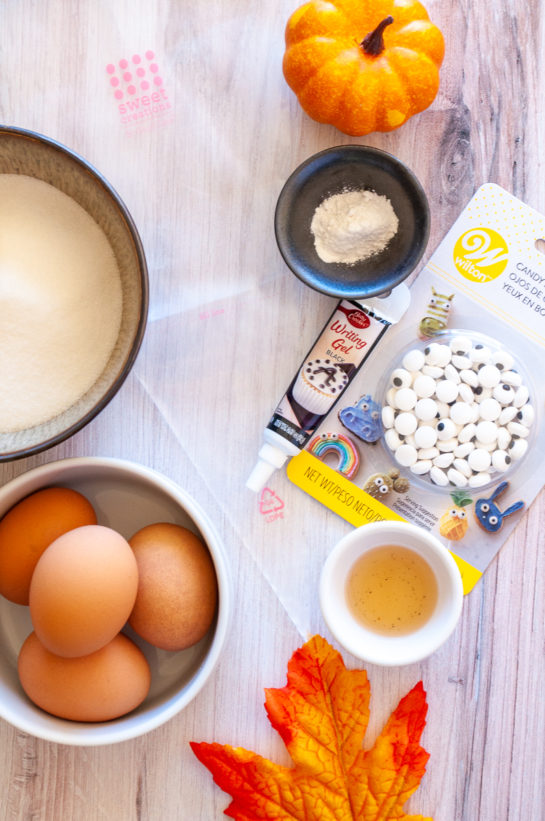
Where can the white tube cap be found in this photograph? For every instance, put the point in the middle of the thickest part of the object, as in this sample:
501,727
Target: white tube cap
270,459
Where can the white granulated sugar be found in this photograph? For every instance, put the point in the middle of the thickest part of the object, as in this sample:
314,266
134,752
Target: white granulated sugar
60,302
353,225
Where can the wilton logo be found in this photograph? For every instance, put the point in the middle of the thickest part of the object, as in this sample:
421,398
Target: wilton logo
138,89
480,254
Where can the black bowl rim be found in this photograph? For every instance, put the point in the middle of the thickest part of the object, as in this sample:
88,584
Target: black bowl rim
35,136
395,162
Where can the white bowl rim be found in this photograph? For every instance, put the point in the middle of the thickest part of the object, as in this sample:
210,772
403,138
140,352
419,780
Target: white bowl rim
329,598
79,734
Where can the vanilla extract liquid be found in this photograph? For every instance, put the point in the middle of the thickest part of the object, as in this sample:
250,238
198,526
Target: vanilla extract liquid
391,590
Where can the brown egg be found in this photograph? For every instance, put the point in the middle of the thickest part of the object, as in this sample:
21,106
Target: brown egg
83,590
104,685
29,527
177,587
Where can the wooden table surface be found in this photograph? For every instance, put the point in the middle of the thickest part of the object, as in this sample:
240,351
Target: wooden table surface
200,170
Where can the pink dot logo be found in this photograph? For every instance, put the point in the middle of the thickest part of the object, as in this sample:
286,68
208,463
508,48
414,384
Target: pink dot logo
150,55
123,64
110,68
136,59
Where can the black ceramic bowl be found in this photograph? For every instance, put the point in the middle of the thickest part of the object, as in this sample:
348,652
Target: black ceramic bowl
31,154
352,167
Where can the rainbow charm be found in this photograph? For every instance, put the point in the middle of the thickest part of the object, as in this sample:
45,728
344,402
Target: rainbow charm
338,443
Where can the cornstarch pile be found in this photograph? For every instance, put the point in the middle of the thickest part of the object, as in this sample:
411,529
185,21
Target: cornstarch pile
60,302
353,225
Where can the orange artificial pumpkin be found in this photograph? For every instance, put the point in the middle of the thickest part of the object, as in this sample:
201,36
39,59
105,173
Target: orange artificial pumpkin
363,65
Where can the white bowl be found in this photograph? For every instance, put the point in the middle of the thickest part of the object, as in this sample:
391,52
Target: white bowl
366,644
126,496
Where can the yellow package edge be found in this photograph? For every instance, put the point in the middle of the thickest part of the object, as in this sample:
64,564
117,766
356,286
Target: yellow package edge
353,504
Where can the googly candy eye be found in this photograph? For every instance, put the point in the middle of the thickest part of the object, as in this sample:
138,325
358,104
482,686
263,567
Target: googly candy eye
512,378
444,460
461,413
406,455
405,399
479,479
425,436
446,429
425,409
421,467
503,393
518,448
405,423
526,415
454,512
432,354
461,362
479,460
456,478
489,376
507,415
384,489
485,507
424,386
501,460
502,360
480,354
452,373
378,481
461,514
442,355
521,396
392,439
446,390
401,378
469,377
414,360
493,520
388,416
460,345
490,409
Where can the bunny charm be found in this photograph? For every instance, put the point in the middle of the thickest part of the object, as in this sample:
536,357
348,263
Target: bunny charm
488,514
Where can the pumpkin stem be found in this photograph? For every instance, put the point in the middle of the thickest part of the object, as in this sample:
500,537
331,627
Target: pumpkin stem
373,43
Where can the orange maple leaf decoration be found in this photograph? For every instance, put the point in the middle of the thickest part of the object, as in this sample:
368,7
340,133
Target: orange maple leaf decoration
322,715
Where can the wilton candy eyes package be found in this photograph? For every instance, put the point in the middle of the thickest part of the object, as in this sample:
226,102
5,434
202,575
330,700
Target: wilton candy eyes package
443,425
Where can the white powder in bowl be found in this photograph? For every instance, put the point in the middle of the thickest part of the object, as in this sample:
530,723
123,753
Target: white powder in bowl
352,226
60,302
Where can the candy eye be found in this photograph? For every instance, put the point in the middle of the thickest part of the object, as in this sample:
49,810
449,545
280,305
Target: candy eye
378,481
461,514
485,507
365,406
433,301
454,513
375,415
446,306
493,520
383,488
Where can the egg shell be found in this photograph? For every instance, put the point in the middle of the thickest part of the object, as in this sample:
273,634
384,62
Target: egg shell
82,590
104,685
177,591
29,527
